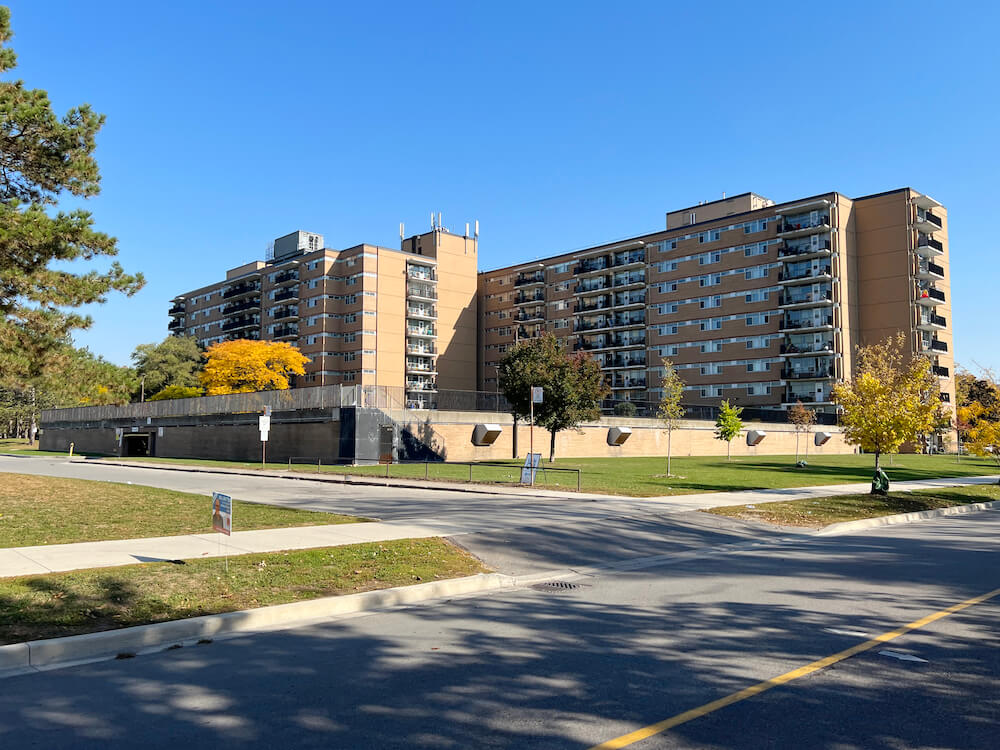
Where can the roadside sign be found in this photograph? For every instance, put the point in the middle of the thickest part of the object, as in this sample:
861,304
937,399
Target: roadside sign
536,394
263,423
222,513
530,468
267,411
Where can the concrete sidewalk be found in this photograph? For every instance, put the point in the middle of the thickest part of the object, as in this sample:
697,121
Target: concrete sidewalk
51,558
62,557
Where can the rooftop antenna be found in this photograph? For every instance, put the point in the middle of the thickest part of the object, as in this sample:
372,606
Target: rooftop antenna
466,229
723,195
432,220
477,229
439,220
401,232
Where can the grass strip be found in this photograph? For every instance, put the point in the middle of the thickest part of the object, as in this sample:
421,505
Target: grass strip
644,476
38,510
88,601
816,513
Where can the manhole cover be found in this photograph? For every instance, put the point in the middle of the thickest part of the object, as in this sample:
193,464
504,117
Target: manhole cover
557,586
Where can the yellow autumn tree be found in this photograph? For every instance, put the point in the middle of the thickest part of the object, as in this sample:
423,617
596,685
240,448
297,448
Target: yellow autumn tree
982,435
893,399
245,366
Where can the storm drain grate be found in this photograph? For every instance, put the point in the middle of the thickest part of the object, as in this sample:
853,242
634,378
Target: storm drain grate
557,586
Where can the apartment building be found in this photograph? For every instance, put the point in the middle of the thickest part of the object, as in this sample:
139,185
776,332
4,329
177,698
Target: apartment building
756,302
363,315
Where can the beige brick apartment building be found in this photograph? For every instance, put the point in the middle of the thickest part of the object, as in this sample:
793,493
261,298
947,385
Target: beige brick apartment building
366,314
753,301
757,302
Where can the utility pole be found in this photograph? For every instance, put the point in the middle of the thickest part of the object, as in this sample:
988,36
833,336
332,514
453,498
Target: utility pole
142,391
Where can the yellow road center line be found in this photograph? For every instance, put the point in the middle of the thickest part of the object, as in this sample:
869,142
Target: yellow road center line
662,726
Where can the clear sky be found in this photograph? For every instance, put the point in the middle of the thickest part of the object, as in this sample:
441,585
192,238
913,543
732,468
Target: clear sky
556,124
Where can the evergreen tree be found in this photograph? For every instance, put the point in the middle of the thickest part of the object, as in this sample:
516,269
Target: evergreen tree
42,158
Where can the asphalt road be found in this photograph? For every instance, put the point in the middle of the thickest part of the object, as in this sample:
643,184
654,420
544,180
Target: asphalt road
550,668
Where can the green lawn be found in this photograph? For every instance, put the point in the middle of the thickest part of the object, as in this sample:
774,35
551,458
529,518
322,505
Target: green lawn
51,510
87,601
819,512
644,477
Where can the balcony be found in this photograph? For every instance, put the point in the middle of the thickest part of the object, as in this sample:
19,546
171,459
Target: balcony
421,292
285,277
591,265
239,290
629,321
600,303
284,332
593,325
630,299
236,307
631,279
627,341
809,324
806,251
238,323
822,373
583,288
526,299
809,299
426,332
941,372
928,247
426,350
789,276
806,350
176,310
176,325
927,222
933,345
802,226
819,399
421,313
421,273
619,362
629,383
524,279
633,258
417,368
421,385
286,294
932,322
524,316
930,297
929,271
283,313
589,346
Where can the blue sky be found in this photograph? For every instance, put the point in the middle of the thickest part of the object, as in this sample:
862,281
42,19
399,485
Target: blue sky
556,125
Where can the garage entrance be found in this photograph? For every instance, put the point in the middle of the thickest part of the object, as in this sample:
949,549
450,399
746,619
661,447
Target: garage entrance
136,444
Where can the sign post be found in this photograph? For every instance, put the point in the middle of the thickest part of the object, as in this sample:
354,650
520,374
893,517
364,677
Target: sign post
536,398
530,468
222,518
264,425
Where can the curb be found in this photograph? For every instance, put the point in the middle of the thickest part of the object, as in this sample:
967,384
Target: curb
482,489
845,527
52,653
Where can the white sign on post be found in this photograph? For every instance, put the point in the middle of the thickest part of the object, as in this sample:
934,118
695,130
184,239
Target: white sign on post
264,425
536,394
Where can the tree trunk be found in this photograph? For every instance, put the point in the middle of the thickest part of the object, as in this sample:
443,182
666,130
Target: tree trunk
796,446
514,439
670,434
552,446
878,464
807,443
729,450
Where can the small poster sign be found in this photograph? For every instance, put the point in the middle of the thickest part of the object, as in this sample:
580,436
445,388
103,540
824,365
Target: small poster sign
530,468
536,394
222,513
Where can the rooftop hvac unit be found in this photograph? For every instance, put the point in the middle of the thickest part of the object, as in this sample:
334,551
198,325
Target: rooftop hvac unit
486,434
755,437
821,438
618,435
